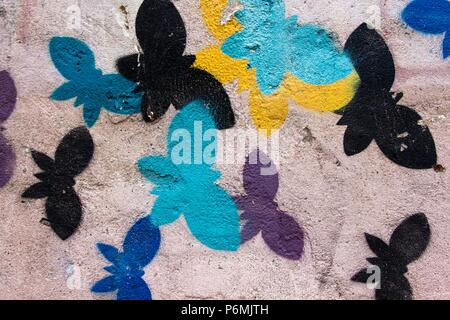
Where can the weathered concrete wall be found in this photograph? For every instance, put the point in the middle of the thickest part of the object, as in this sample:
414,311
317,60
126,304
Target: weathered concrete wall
334,198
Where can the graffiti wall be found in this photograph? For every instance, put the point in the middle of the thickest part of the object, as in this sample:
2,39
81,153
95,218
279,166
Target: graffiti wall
224,149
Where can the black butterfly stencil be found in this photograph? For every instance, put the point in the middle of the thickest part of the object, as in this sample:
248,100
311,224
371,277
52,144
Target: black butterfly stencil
63,206
164,74
374,114
407,244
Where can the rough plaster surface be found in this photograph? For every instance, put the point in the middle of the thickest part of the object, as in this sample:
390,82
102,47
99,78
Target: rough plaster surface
334,198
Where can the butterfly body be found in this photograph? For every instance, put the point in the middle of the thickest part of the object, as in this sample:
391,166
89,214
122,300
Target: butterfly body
408,242
190,187
262,214
57,181
8,98
166,76
91,88
374,112
140,247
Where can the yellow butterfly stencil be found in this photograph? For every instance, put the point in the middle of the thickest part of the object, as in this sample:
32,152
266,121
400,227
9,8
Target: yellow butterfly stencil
268,112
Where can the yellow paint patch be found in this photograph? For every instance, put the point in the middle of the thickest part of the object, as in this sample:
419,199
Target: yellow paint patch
212,11
268,112
323,98
224,68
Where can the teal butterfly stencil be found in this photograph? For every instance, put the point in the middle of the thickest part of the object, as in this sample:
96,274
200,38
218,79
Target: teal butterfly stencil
91,88
186,182
275,45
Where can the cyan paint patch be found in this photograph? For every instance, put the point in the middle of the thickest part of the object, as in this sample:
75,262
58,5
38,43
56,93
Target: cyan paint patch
275,45
432,17
141,244
186,182
76,62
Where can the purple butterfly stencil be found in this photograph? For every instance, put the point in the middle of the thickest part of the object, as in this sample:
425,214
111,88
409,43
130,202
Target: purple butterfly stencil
261,213
8,96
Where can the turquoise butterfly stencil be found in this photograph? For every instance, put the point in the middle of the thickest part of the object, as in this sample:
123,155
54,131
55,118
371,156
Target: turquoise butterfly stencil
275,45
186,182
91,88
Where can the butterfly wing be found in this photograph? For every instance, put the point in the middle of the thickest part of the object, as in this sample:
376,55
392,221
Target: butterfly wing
252,224
142,243
260,176
43,161
446,45
109,252
128,67
7,161
74,153
283,235
378,246
428,16
403,139
64,211
160,171
105,285
356,140
120,95
371,58
72,57
37,191
411,238
134,289
161,34
394,287
213,218
315,57
196,84
8,96
362,276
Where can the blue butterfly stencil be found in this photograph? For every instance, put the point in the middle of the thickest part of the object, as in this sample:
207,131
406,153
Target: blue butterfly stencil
432,17
76,62
139,248
275,45
186,182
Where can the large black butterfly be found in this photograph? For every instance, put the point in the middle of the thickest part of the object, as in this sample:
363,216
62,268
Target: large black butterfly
63,206
373,114
164,74
407,244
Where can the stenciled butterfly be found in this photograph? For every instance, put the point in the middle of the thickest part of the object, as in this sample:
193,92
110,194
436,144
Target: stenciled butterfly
63,206
275,45
186,182
261,213
374,113
91,88
140,246
432,17
164,74
8,97
408,242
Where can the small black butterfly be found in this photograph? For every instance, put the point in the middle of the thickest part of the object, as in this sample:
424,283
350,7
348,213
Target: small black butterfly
373,114
63,206
164,74
407,244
